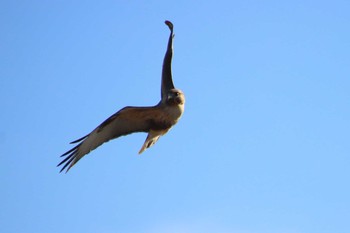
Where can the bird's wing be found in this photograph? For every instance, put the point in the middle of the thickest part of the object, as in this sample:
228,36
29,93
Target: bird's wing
127,120
167,80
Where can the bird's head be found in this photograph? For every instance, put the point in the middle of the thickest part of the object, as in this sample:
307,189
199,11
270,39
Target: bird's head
175,97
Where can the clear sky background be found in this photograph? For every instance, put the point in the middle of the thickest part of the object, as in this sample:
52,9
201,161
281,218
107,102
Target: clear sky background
263,145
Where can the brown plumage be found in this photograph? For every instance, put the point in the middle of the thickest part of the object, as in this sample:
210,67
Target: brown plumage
155,120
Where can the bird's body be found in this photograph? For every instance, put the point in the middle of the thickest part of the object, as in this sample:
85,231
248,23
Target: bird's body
155,120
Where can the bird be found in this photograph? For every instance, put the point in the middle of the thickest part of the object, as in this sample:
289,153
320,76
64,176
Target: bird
155,120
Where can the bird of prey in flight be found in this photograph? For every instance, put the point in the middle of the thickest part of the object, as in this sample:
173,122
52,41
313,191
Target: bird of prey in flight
155,120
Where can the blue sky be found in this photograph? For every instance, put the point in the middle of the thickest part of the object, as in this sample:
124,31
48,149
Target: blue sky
263,145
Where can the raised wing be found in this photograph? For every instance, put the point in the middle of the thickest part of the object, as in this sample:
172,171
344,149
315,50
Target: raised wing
126,121
167,80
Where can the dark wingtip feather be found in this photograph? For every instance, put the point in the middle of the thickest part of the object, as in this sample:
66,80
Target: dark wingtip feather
68,160
68,152
169,24
63,161
80,139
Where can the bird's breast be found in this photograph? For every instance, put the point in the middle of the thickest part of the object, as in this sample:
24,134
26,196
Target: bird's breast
174,112
167,117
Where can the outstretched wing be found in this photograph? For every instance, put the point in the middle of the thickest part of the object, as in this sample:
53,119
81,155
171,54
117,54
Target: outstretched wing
167,80
127,120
